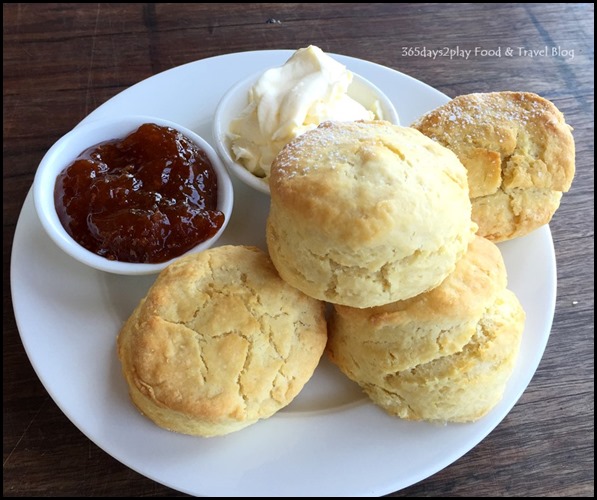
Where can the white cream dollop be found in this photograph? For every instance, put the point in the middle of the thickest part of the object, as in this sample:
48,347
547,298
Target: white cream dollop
310,88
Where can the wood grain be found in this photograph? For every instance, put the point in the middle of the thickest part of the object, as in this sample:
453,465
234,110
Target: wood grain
61,61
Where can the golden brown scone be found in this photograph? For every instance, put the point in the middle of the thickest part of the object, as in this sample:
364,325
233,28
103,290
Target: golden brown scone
464,386
219,342
366,213
519,154
374,342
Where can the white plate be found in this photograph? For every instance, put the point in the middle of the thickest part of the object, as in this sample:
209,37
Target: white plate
330,440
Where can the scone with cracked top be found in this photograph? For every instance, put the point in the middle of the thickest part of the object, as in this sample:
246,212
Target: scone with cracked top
519,154
462,386
366,213
219,342
442,356
466,385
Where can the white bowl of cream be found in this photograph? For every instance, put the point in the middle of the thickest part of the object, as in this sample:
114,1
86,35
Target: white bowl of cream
259,115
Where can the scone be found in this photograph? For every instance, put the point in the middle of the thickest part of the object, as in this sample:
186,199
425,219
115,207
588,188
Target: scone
461,387
519,154
372,343
367,213
219,342
465,386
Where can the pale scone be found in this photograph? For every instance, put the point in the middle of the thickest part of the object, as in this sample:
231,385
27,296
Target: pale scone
372,343
367,213
464,386
219,342
519,154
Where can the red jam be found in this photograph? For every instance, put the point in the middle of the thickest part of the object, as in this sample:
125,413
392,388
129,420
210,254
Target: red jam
149,197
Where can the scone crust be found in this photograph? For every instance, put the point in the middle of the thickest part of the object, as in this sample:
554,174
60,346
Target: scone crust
219,342
365,213
377,341
464,386
519,153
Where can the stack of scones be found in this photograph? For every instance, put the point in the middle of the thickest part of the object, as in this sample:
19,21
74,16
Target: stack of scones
395,228
380,221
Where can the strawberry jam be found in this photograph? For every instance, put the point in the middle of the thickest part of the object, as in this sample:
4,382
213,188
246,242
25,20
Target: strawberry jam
149,197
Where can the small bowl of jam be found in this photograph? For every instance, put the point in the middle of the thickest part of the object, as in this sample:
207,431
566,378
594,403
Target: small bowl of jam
129,195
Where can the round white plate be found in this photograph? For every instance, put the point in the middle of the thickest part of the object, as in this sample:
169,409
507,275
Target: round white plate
330,441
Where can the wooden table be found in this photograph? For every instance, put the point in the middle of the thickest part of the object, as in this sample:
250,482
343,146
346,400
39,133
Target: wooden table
61,61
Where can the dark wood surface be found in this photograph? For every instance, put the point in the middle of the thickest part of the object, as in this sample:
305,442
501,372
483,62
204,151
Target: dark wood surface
61,61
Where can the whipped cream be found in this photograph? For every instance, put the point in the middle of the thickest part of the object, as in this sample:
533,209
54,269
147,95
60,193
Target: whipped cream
310,88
